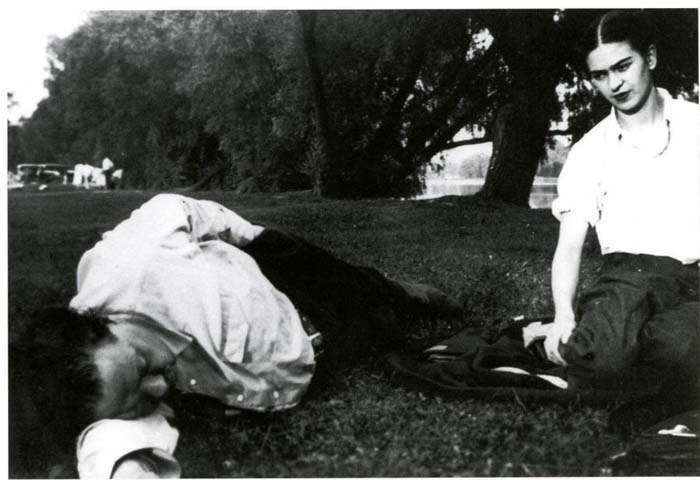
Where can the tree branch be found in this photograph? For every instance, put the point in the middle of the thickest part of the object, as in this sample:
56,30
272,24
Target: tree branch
461,143
445,132
392,119
487,139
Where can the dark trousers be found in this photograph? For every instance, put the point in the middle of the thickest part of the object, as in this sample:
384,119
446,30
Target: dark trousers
355,308
638,325
109,184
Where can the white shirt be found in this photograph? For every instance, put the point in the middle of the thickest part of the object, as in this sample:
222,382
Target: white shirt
639,201
174,268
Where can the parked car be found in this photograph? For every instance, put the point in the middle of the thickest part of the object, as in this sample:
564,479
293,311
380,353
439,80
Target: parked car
44,173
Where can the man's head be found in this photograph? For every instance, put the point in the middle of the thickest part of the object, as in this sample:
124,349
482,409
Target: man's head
83,367
135,372
53,363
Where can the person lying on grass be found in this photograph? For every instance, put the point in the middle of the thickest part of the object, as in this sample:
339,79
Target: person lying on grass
186,294
635,178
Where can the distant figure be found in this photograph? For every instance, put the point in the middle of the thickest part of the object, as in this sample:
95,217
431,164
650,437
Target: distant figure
78,175
107,170
82,175
97,178
117,178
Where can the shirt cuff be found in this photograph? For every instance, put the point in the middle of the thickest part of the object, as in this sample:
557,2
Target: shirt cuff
102,444
149,463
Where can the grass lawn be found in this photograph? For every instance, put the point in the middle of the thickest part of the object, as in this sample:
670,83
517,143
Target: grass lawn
494,259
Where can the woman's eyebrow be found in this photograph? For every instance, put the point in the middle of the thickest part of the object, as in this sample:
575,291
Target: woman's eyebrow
621,62
613,66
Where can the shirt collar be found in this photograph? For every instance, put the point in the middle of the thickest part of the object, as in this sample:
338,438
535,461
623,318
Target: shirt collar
615,131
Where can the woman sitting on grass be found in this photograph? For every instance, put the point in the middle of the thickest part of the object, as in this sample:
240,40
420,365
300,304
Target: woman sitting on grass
635,178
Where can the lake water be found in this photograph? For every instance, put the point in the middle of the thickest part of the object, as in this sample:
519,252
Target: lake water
543,193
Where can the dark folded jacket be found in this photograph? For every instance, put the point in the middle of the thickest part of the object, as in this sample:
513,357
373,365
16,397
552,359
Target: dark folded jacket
464,365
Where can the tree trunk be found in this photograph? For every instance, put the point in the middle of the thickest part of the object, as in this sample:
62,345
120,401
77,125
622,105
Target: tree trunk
318,150
199,185
519,135
521,126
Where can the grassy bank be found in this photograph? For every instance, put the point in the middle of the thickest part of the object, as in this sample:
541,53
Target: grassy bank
493,259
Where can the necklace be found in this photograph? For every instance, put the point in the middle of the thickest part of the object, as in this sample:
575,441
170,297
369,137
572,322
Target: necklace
668,140
649,143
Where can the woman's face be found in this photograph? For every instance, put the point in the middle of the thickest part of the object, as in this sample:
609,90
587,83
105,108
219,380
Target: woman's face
622,74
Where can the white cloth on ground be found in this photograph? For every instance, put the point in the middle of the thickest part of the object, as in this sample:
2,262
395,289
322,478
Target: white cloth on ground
102,444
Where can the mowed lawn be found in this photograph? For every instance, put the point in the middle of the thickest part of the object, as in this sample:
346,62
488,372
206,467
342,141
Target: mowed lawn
495,259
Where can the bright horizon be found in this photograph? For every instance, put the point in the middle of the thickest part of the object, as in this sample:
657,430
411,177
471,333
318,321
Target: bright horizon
28,32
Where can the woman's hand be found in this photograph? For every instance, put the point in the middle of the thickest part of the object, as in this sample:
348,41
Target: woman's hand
560,332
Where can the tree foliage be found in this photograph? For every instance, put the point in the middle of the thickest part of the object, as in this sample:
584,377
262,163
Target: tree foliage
349,103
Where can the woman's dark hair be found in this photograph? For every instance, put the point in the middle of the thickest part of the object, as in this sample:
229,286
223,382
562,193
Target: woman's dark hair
54,382
633,26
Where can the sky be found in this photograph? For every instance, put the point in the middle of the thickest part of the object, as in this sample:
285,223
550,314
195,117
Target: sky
28,32
28,26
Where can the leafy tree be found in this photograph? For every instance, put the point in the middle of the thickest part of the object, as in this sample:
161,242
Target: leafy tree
398,93
349,103
526,103
112,93
247,90
173,96
319,152
353,101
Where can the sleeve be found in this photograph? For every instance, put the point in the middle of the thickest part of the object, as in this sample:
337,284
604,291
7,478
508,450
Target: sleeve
185,219
211,220
150,440
577,187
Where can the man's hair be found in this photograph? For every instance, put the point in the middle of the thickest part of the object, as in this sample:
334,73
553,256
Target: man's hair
55,368
633,26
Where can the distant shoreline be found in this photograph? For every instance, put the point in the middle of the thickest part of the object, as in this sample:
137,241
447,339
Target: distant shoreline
542,195
480,181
